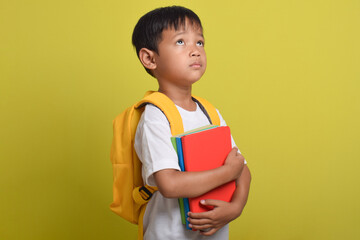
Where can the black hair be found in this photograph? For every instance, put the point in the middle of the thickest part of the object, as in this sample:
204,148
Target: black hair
147,32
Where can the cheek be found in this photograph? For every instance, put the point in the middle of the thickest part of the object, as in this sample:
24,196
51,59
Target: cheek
205,60
203,54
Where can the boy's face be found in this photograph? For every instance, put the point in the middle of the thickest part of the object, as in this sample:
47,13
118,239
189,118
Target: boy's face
181,58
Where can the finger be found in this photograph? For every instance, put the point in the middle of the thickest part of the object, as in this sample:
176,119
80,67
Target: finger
199,221
201,227
210,232
211,202
201,215
234,151
241,156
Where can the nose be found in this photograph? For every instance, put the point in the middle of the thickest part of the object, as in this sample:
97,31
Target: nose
194,52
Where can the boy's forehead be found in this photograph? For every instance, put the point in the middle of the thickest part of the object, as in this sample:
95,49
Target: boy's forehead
184,27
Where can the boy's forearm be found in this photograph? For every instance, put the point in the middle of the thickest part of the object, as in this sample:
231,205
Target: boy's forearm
176,184
242,191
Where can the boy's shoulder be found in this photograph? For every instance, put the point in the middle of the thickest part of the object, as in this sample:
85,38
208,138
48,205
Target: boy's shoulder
152,115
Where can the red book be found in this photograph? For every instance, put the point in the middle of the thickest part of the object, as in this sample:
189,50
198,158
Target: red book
204,151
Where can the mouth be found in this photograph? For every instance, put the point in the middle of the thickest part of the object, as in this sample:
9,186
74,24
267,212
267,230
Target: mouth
196,65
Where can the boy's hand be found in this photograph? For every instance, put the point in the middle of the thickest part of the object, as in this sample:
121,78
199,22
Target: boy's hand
211,221
235,162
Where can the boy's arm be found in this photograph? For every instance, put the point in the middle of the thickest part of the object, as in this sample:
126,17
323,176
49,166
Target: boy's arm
175,184
223,212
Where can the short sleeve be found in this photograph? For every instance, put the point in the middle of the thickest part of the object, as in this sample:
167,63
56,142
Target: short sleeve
153,144
223,123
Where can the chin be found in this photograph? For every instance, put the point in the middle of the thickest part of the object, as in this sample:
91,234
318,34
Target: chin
194,81
195,78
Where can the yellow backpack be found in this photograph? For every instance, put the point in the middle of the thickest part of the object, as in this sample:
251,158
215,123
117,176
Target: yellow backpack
129,193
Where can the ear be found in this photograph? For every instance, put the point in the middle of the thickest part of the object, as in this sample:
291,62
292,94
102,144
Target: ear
147,58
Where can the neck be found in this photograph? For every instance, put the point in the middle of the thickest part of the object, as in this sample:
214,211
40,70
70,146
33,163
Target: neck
181,97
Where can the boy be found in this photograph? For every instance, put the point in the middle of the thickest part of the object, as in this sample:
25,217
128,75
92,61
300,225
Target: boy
170,44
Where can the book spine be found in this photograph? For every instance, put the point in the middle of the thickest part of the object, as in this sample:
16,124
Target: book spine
182,167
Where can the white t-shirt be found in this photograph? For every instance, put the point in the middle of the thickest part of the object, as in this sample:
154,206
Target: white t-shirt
162,218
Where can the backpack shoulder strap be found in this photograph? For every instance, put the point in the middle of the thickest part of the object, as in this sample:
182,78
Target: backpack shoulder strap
208,109
167,106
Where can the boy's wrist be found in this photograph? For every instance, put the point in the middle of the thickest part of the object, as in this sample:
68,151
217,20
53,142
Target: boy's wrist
237,210
230,173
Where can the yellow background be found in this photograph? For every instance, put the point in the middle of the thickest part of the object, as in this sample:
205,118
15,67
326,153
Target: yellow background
285,75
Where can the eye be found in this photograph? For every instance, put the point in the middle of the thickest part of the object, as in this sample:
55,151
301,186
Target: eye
179,42
200,43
